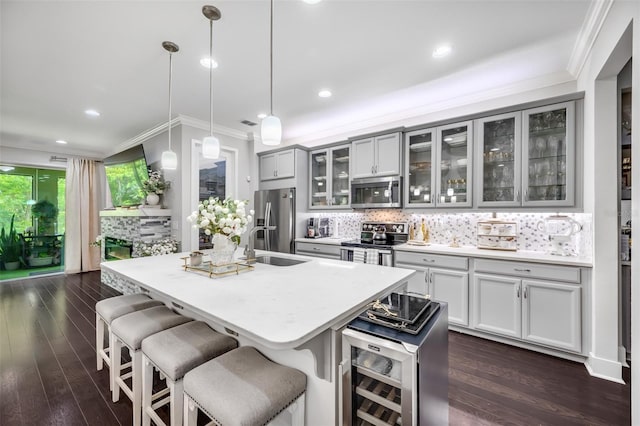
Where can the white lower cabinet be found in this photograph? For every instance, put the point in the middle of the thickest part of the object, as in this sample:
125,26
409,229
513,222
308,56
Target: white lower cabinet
447,285
541,312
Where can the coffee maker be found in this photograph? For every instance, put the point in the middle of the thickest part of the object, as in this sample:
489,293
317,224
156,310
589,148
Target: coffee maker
313,227
317,227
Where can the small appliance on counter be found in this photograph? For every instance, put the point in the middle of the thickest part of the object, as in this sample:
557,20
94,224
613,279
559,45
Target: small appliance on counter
317,227
497,235
561,230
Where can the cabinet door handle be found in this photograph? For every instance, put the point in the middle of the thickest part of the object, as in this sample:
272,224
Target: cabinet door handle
524,293
518,292
426,278
429,260
518,195
431,277
521,270
526,195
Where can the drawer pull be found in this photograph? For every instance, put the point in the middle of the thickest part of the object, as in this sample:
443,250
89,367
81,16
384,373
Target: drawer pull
429,260
521,270
144,290
315,248
175,305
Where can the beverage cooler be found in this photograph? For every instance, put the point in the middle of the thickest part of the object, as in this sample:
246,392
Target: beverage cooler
396,372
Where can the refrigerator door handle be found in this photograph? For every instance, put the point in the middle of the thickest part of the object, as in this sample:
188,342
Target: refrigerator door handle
267,222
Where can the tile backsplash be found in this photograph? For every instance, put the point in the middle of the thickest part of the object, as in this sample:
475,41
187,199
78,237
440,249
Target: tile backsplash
443,226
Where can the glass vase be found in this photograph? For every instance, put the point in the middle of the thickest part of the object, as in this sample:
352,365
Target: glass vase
223,250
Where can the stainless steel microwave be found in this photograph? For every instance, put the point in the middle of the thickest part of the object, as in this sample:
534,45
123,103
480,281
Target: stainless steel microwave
376,193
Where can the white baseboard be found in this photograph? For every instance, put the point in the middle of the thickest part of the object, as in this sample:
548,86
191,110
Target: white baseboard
604,368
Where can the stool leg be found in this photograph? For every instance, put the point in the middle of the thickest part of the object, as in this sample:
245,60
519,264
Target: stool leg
147,389
99,341
297,411
190,412
177,400
115,355
136,369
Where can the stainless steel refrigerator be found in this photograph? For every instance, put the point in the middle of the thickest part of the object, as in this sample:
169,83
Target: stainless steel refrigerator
276,207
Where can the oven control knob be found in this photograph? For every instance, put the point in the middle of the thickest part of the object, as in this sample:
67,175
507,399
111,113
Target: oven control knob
400,228
394,227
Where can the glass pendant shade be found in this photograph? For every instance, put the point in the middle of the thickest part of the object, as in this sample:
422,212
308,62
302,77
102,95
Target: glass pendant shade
271,130
211,148
169,160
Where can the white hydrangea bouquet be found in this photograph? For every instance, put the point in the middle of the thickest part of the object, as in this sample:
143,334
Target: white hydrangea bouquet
224,217
155,248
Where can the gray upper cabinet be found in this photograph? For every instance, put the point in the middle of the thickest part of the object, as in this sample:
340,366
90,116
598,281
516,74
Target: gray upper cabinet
548,155
498,160
277,165
376,156
454,146
420,170
329,178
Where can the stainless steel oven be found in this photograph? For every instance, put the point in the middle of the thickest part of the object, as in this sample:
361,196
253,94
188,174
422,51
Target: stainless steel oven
376,243
376,193
393,377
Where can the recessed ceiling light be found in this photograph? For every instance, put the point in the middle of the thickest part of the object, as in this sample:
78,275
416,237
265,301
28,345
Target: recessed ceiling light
324,93
208,62
92,113
441,51
312,1
7,168
61,142
262,115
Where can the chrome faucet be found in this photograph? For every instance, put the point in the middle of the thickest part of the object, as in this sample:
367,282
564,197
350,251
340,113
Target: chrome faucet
249,250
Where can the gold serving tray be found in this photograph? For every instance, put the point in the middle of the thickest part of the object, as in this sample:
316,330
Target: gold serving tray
215,271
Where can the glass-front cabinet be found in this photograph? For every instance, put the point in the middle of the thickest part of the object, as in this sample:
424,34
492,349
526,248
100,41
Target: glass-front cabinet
420,171
453,158
329,186
548,156
498,160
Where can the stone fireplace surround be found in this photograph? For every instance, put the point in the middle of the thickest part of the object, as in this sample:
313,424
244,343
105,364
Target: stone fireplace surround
145,224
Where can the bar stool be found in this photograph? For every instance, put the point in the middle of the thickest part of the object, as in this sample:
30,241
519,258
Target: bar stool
242,387
129,331
109,309
173,352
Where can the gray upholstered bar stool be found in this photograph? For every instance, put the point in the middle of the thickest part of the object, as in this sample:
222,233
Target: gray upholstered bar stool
173,352
242,387
109,309
129,331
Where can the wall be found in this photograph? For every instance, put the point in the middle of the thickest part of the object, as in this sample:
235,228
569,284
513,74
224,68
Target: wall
598,79
27,157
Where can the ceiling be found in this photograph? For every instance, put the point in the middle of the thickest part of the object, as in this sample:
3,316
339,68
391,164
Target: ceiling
60,58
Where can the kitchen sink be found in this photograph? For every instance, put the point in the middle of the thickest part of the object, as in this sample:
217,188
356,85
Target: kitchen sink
278,261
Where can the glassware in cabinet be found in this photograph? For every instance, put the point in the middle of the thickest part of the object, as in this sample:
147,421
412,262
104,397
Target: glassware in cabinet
498,160
419,168
329,178
549,155
454,165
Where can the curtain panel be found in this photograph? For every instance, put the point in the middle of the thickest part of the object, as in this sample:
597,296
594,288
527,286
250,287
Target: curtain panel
84,192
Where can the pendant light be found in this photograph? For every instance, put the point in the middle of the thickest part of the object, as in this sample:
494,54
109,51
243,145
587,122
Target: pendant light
271,128
169,159
211,144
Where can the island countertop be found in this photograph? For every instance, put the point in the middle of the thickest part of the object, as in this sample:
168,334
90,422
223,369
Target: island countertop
281,307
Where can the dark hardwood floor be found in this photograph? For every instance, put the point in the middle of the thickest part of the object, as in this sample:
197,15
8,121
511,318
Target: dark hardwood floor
48,374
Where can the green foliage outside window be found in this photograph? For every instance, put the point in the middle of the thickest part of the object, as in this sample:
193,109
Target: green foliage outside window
15,191
125,182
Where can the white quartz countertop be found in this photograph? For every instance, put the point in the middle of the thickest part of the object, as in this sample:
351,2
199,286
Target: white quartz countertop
280,307
335,241
520,255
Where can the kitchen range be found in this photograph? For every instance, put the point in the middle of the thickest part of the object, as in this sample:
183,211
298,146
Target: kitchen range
376,243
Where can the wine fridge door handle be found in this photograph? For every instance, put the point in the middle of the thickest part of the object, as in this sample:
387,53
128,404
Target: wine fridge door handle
340,393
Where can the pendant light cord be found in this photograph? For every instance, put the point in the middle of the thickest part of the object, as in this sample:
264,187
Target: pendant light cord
169,122
211,76
271,62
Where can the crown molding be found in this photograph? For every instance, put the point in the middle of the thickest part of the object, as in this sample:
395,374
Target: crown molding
597,13
180,120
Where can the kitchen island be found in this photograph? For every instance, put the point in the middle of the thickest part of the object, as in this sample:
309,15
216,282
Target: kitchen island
293,314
